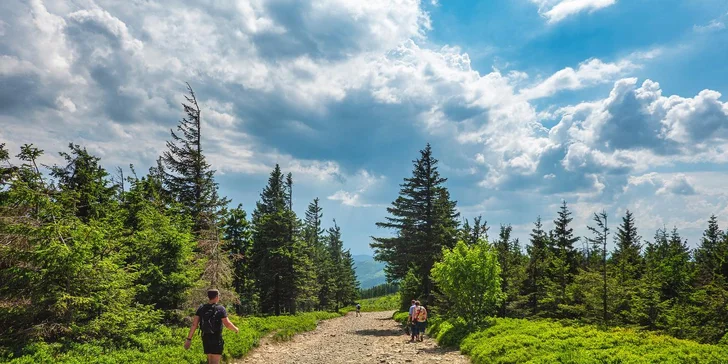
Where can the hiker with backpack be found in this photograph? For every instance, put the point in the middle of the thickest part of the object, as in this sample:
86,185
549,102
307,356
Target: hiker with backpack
421,320
211,317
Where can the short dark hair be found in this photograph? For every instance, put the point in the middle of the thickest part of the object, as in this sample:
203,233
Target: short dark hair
413,302
212,293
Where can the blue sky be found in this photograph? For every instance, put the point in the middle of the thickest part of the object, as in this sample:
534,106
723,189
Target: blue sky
607,104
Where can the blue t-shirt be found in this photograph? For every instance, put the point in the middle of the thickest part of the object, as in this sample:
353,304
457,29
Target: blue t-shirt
412,310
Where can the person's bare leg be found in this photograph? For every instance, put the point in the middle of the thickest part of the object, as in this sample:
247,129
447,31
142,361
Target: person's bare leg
213,358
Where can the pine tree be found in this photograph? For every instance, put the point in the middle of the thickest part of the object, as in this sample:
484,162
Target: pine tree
190,178
565,261
601,231
425,221
314,235
628,267
472,234
270,253
238,242
535,286
626,257
710,257
83,183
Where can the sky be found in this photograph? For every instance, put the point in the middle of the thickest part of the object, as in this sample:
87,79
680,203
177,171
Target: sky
605,104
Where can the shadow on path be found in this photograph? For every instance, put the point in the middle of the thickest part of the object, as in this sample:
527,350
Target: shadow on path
374,332
437,350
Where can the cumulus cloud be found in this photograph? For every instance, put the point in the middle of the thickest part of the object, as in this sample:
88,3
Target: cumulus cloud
276,85
558,10
676,184
589,73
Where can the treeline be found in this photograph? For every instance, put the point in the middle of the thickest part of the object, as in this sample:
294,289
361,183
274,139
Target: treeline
658,285
89,256
379,290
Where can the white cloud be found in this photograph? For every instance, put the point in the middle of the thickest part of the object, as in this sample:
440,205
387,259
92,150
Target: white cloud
558,10
589,73
712,26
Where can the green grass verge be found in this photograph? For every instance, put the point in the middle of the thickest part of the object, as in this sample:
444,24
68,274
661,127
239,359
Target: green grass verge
378,304
524,341
165,345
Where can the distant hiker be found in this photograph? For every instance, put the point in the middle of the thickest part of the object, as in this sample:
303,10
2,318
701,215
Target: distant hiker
413,320
358,310
410,320
421,320
212,316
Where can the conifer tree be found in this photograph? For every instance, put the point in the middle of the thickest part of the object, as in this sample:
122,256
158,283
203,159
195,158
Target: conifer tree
601,231
82,180
710,256
238,241
188,176
270,252
628,267
565,261
536,284
314,236
425,221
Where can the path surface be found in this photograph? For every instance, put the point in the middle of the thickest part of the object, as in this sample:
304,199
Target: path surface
372,338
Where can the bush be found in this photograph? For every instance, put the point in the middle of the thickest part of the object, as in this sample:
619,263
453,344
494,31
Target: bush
523,341
469,278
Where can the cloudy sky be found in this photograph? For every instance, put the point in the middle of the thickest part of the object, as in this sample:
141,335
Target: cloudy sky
608,104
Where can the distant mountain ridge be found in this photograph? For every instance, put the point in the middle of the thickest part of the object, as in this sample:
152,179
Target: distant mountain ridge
369,272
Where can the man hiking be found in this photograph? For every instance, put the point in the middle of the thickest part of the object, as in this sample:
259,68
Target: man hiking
411,321
211,316
421,320
358,310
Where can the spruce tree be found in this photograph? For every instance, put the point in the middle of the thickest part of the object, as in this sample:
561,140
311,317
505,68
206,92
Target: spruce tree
83,182
270,253
601,231
535,286
189,178
710,256
565,261
238,242
424,220
314,236
626,256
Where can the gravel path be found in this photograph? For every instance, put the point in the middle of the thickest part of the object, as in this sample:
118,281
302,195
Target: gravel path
372,338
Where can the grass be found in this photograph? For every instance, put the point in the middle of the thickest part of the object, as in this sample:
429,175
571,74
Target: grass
524,341
165,344
378,304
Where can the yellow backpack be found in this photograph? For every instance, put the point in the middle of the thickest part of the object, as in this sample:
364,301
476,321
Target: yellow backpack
421,314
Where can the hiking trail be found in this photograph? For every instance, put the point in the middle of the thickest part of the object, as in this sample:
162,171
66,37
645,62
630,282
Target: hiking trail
372,338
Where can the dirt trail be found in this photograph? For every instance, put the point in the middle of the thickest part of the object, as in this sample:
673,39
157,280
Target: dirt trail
372,338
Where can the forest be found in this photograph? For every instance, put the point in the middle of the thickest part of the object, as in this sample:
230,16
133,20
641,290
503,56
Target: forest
92,258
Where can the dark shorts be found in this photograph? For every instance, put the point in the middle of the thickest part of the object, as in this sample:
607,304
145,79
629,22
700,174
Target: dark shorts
421,326
212,344
413,329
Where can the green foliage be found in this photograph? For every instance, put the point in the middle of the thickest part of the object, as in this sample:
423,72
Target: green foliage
164,345
522,341
469,278
377,304
409,289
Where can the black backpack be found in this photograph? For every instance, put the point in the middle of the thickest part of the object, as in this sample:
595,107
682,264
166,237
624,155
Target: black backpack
210,323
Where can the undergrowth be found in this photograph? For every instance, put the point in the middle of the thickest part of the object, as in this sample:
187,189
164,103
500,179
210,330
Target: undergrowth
165,344
524,341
